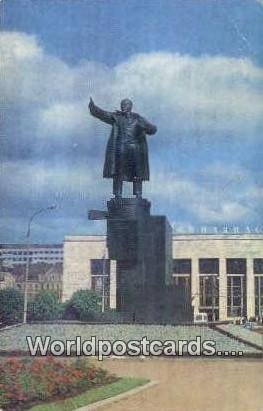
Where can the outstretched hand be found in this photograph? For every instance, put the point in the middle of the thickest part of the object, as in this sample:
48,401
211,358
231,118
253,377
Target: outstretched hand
91,102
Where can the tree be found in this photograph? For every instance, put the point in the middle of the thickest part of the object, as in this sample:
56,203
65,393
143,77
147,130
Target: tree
82,305
11,305
45,306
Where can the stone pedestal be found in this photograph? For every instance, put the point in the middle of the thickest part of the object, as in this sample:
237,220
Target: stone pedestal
141,247
141,244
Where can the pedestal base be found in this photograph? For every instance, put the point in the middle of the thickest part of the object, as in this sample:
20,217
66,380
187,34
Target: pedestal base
141,244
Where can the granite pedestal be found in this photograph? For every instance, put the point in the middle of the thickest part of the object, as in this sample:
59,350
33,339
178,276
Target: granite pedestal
141,244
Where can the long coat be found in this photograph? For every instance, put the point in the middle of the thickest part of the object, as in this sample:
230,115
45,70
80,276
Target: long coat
127,152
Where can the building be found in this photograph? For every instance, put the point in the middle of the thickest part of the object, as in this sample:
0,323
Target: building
6,280
16,254
86,266
223,274
42,276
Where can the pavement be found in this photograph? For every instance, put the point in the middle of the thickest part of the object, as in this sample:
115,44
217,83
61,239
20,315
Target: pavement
191,384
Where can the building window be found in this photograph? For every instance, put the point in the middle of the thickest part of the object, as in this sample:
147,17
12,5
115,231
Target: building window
209,290
236,287
101,284
258,265
209,296
209,287
100,279
181,281
259,296
100,266
182,266
236,266
236,296
209,266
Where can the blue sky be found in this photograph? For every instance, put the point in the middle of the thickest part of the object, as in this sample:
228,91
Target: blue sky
109,31
194,68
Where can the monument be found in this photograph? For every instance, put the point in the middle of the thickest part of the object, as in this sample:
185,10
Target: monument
140,243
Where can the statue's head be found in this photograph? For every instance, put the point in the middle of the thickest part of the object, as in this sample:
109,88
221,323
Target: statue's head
126,105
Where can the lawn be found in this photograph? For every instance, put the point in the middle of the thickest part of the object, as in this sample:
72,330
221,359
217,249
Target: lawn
93,395
244,333
14,339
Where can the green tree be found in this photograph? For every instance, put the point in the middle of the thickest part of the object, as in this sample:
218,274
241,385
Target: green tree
83,304
45,307
11,305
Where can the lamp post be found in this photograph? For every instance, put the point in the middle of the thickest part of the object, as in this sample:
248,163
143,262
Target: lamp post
41,210
213,297
103,283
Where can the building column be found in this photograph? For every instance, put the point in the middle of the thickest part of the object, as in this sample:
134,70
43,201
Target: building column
250,289
113,284
195,285
222,290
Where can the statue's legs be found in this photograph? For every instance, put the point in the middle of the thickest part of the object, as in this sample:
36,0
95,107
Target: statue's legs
137,188
117,186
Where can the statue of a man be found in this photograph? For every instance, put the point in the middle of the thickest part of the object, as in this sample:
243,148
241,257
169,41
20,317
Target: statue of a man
127,152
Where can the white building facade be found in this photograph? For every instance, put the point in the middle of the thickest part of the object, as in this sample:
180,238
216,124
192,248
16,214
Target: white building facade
16,254
224,273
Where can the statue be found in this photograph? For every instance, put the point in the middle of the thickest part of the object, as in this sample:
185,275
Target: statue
127,152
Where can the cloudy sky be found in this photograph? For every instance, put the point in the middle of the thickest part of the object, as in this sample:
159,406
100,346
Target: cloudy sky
192,67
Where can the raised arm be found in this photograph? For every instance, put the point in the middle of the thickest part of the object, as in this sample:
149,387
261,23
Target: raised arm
103,115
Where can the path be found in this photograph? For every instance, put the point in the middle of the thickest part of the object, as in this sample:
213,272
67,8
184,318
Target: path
192,384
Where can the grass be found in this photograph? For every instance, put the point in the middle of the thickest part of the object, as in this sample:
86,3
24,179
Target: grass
244,333
14,339
92,395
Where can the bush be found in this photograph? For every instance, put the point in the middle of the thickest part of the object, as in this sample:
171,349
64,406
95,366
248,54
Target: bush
11,305
111,316
45,307
82,305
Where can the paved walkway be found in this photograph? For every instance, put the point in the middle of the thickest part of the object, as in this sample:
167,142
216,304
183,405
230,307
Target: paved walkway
192,384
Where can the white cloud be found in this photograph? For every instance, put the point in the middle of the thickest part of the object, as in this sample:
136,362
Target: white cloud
179,93
228,211
207,93
206,203
64,119
61,181
197,93
16,46
255,194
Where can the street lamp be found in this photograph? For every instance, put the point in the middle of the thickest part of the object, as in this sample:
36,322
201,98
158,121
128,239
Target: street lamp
41,210
103,283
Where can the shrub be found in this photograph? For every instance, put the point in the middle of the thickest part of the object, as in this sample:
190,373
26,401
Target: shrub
11,305
82,305
45,307
110,316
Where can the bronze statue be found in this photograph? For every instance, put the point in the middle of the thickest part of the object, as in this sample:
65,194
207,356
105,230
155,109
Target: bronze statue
127,152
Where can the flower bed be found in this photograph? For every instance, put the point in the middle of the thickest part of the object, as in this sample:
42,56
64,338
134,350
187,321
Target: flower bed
24,382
